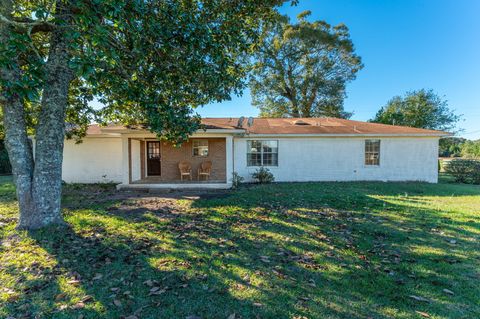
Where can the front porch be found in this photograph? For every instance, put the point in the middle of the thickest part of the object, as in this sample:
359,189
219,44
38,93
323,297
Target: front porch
153,164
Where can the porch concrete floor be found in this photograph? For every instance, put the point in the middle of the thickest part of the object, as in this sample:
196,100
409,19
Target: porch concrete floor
158,180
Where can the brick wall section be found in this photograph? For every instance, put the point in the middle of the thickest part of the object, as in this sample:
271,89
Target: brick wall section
171,156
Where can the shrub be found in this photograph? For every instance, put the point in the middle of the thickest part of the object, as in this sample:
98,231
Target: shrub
236,180
464,170
263,176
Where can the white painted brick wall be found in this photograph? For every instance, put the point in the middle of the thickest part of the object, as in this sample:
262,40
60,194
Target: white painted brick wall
92,159
299,159
342,159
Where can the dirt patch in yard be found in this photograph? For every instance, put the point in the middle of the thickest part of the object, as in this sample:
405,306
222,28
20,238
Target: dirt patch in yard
77,195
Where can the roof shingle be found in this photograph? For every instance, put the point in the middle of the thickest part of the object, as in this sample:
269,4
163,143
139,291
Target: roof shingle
314,126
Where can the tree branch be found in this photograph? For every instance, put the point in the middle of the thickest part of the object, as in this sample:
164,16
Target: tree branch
31,26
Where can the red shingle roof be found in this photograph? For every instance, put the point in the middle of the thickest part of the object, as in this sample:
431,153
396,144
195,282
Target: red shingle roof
321,125
324,125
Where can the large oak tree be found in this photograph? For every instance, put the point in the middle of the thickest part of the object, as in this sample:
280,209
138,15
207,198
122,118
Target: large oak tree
147,61
301,69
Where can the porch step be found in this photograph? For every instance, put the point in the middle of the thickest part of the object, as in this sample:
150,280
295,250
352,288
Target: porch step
179,193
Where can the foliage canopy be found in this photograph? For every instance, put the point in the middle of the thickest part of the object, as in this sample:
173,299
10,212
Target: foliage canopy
301,69
471,149
148,62
451,146
422,109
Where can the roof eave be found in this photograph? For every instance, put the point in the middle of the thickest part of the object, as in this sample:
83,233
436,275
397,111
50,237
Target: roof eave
136,131
442,134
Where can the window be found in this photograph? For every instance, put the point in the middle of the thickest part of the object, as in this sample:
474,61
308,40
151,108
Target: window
262,153
200,147
372,152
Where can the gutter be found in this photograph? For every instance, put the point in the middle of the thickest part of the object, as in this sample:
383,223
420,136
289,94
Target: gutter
350,135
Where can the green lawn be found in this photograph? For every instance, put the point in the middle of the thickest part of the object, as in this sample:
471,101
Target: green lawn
306,250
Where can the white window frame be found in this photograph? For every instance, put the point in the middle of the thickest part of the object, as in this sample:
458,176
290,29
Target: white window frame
200,147
372,152
261,153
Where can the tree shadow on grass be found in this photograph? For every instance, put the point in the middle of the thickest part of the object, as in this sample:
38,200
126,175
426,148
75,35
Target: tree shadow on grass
98,273
268,252
387,251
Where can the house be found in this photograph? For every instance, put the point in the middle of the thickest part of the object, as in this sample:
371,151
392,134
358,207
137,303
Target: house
306,149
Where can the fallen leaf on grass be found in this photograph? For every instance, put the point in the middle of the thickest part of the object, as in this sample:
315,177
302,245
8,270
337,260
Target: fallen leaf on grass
157,291
447,291
232,316
417,298
79,305
74,282
423,314
265,259
87,298
60,296
117,302
97,277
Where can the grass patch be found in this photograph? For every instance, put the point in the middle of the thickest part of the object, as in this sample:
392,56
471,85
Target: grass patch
303,250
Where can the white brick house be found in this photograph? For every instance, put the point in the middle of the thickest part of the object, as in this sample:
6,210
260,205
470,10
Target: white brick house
314,149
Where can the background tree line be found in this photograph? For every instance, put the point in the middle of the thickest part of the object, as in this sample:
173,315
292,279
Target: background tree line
459,147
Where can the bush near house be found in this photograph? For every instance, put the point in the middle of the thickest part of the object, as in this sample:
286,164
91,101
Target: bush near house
464,170
236,180
263,176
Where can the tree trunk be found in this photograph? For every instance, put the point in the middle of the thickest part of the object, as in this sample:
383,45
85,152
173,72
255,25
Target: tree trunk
17,143
39,180
50,135
16,138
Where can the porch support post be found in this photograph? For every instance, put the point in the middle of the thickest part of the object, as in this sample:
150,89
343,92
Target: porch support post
129,142
229,159
125,162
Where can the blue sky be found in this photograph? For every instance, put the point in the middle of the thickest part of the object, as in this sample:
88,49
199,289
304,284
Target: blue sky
405,45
